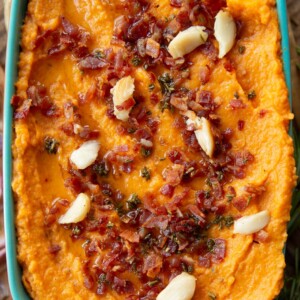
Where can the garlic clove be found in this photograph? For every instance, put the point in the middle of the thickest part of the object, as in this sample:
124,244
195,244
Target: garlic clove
182,287
186,41
77,211
122,92
203,134
251,224
225,32
85,155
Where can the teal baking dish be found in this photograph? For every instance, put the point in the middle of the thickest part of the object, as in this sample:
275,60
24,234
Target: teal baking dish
18,13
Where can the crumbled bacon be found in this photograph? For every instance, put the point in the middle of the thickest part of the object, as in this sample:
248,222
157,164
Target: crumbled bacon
92,63
173,174
204,74
152,265
176,3
167,190
237,104
152,48
241,125
54,249
261,236
240,203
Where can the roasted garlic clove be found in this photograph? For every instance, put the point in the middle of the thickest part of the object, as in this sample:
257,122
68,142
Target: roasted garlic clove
251,224
122,97
77,211
186,41
225,32
182,287
85,155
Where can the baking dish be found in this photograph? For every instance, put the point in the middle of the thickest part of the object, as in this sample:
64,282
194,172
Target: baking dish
17,15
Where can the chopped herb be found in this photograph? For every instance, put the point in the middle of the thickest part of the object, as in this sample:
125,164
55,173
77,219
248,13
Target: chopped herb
242,49
166,83
120,209
145,152
110,224
131,130
164,104
85,243
102,278
210,245
236,95
51,145
222,221
100,169
151,87
212,296
251,95
145,173
133,201
206,194
136,61
229,197
153,283
162,159
220,175
99,54
76,230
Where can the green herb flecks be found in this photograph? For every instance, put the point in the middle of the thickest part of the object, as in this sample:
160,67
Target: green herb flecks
136,61
133,201
212,296
100,169
223,221
51,145
251,95
146,152
151,87
166,83
242,49
210,245
145,173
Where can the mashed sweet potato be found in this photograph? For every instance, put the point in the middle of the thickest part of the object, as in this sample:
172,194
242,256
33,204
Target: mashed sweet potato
187,145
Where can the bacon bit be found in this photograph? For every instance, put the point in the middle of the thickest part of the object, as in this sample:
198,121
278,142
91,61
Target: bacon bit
160,222
75,185
241,125
152,265
152,48
87,134
262,113
179,101
204,74
90,94
121,149
237,104
200,216
130,236
219,251
261,236
54,249
126,104
241,159
176,3
240,203
122,286
177,199
173,174
167,190
121,25
228,65
154,98
23,110
67,128
92,63
138,29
